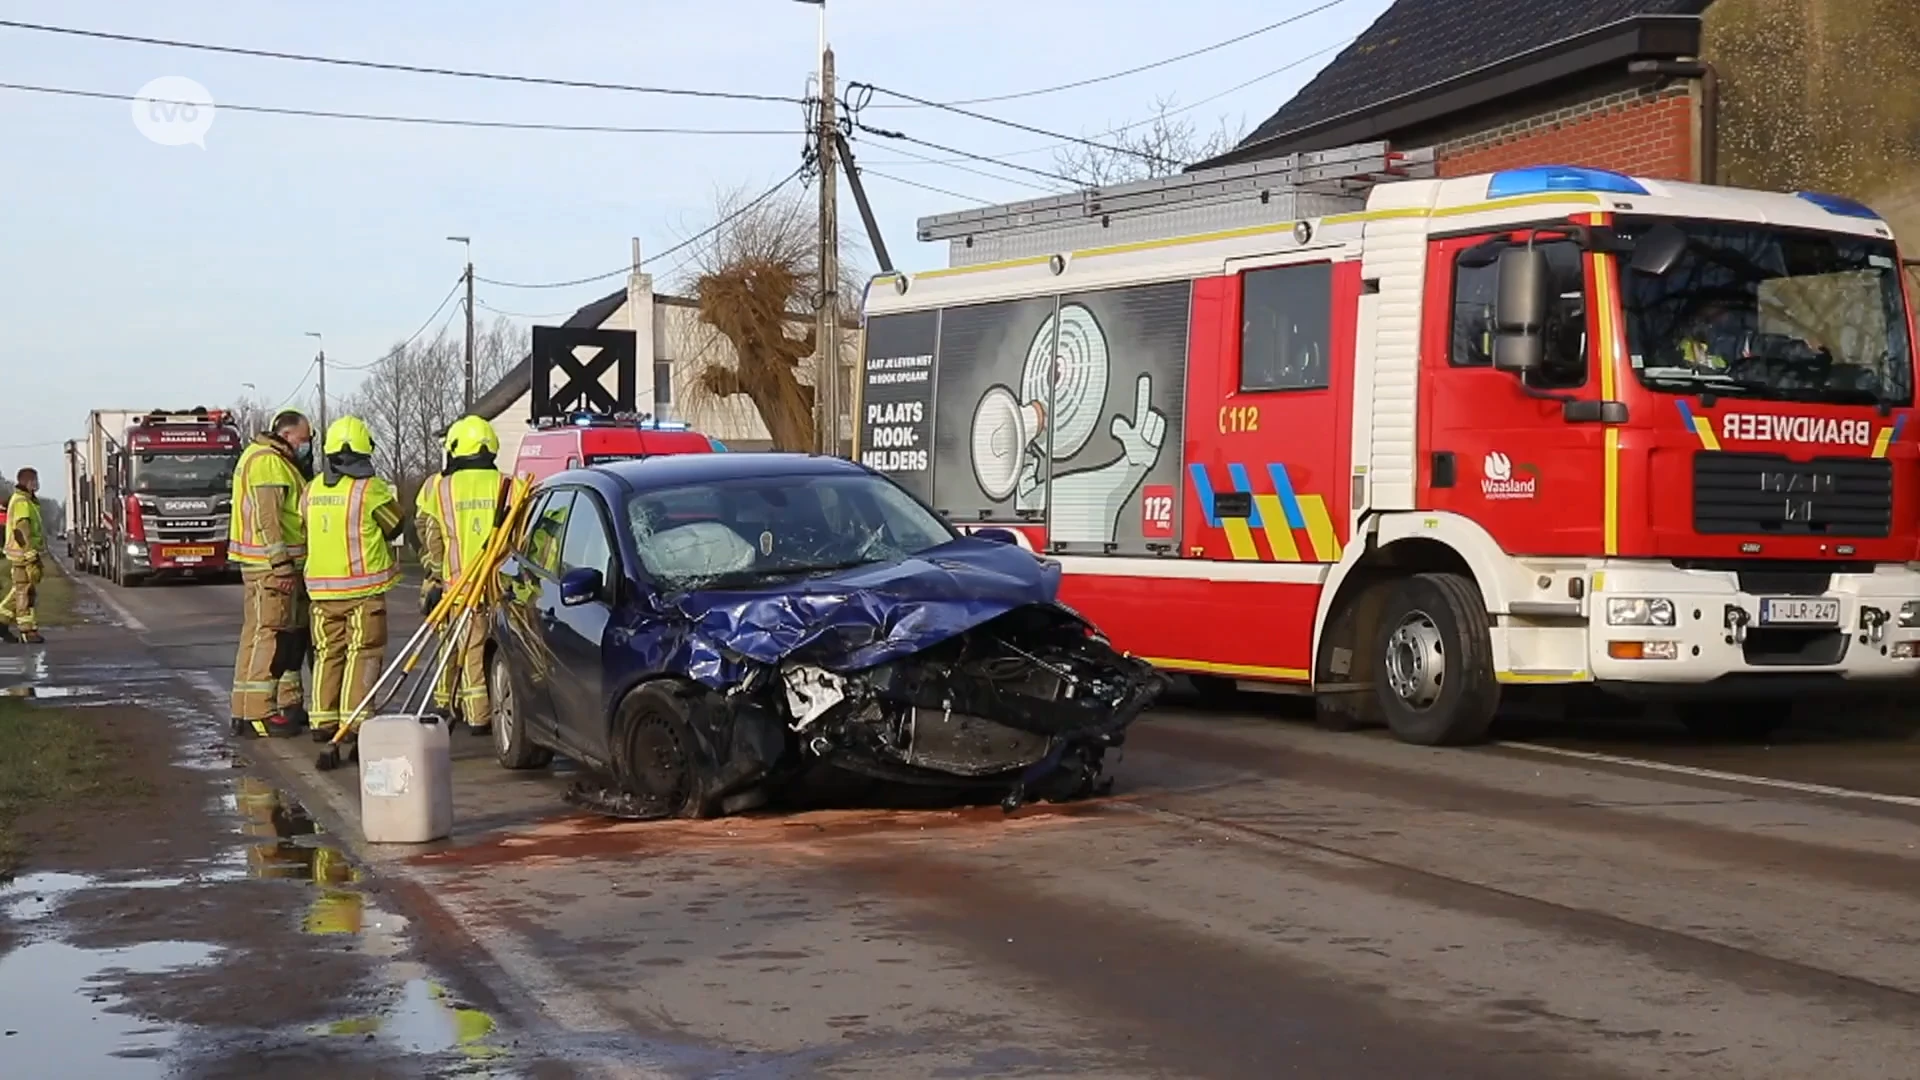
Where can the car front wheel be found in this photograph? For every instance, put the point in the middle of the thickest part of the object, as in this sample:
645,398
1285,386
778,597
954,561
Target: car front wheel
510,743
657,758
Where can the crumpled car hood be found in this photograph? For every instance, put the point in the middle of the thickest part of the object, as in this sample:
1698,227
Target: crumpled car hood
855,619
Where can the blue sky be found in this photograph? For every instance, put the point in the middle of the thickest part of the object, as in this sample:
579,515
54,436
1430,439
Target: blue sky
136,275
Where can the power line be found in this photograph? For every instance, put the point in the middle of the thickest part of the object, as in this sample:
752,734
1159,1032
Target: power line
433,121
902,137
520,314
414,69
311,366
413,337
1270,27
869,89
866,171
923,159
681,246
1208,100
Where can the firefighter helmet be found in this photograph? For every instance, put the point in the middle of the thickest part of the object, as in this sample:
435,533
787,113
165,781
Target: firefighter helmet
471,435
349,433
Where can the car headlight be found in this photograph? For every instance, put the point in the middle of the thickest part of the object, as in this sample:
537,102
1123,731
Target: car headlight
1910,614
1639,611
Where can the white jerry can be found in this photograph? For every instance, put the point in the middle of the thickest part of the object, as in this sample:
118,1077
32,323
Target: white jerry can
406,779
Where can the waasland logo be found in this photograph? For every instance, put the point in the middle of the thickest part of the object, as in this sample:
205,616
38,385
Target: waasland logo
1498,481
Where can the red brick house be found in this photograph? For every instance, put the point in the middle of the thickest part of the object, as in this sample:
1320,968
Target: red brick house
1493,84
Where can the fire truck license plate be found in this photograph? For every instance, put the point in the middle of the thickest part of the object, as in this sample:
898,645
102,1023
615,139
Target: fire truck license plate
1799,611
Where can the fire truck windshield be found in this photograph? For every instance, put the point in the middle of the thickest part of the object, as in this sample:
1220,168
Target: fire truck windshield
183,474
1780,314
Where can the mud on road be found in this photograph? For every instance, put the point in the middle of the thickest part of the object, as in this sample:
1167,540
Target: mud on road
183,916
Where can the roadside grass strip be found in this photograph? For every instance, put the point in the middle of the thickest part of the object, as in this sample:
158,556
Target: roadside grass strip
49,758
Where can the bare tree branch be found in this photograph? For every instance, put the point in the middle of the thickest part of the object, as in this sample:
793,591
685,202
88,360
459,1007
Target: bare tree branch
1161,147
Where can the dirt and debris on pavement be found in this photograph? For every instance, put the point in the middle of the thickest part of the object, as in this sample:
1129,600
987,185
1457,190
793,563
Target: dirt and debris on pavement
167,909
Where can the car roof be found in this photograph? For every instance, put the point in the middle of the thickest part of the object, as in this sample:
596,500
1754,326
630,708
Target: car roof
682,470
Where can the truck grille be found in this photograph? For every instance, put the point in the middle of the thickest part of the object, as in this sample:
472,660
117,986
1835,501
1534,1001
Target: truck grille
186,530
1767,493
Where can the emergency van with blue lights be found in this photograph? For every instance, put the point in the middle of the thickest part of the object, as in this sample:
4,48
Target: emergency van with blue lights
580,439
1328,424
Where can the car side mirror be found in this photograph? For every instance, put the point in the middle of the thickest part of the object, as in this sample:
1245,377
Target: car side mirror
1594,412
1520,310
998,536
1659,249
580,586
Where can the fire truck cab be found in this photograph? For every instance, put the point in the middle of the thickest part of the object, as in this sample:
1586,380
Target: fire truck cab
1328,424
585,438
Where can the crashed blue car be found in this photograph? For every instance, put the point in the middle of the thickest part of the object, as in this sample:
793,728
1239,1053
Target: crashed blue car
709,633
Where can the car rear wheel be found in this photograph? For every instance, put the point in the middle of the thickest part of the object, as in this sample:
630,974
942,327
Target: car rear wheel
510,743
656,756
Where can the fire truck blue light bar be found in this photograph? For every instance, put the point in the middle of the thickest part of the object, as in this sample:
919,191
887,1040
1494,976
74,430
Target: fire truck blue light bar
1838,204
1541,179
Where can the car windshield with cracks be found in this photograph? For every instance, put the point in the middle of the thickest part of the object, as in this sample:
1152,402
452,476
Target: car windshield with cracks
828,627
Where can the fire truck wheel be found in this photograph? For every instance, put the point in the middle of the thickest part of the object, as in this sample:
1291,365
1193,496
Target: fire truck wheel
1433,662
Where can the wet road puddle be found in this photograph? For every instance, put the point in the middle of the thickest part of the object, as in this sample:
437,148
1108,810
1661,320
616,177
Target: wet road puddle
423,1020
58,1016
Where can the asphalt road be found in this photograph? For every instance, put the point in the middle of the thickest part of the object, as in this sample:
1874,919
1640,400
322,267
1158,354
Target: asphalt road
1258,899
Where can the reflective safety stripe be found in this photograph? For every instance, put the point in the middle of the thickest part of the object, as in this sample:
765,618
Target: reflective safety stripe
330,588
450,526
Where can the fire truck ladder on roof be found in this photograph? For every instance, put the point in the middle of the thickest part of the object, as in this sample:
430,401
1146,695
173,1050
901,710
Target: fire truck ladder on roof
1300,185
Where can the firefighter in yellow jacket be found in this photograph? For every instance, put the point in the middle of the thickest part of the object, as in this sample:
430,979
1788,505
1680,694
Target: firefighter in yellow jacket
267,539
25,540
456,513
351,518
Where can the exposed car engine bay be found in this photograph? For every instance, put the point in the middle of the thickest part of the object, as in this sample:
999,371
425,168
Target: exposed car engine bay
1023,706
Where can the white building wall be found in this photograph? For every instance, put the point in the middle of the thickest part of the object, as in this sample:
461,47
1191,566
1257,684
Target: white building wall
675,335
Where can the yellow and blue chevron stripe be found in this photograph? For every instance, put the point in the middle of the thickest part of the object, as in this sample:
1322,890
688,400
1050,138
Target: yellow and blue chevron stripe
1280,515
1889,435
1701,426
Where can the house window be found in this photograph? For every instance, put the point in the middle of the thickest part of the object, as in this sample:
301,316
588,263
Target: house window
662,383
1474,286
1286,327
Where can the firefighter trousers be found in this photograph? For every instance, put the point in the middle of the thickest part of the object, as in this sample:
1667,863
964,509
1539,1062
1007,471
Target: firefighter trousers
349,649
273,645
23,590
466,677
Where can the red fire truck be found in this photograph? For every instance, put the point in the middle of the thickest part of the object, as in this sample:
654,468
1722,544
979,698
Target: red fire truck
150,494
1328,424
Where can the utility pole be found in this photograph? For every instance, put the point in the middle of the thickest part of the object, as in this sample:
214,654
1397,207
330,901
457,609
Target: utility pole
320,433
466,398
827,367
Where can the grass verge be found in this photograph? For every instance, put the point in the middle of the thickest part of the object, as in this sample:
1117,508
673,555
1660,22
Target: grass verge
55,606
48,758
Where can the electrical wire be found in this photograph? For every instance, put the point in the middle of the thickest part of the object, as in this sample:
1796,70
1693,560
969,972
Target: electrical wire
1208,100
923,159
869,89
377,65
385,118
902,137
1270,27
519,314
683,245
413,337
311,367
866,171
